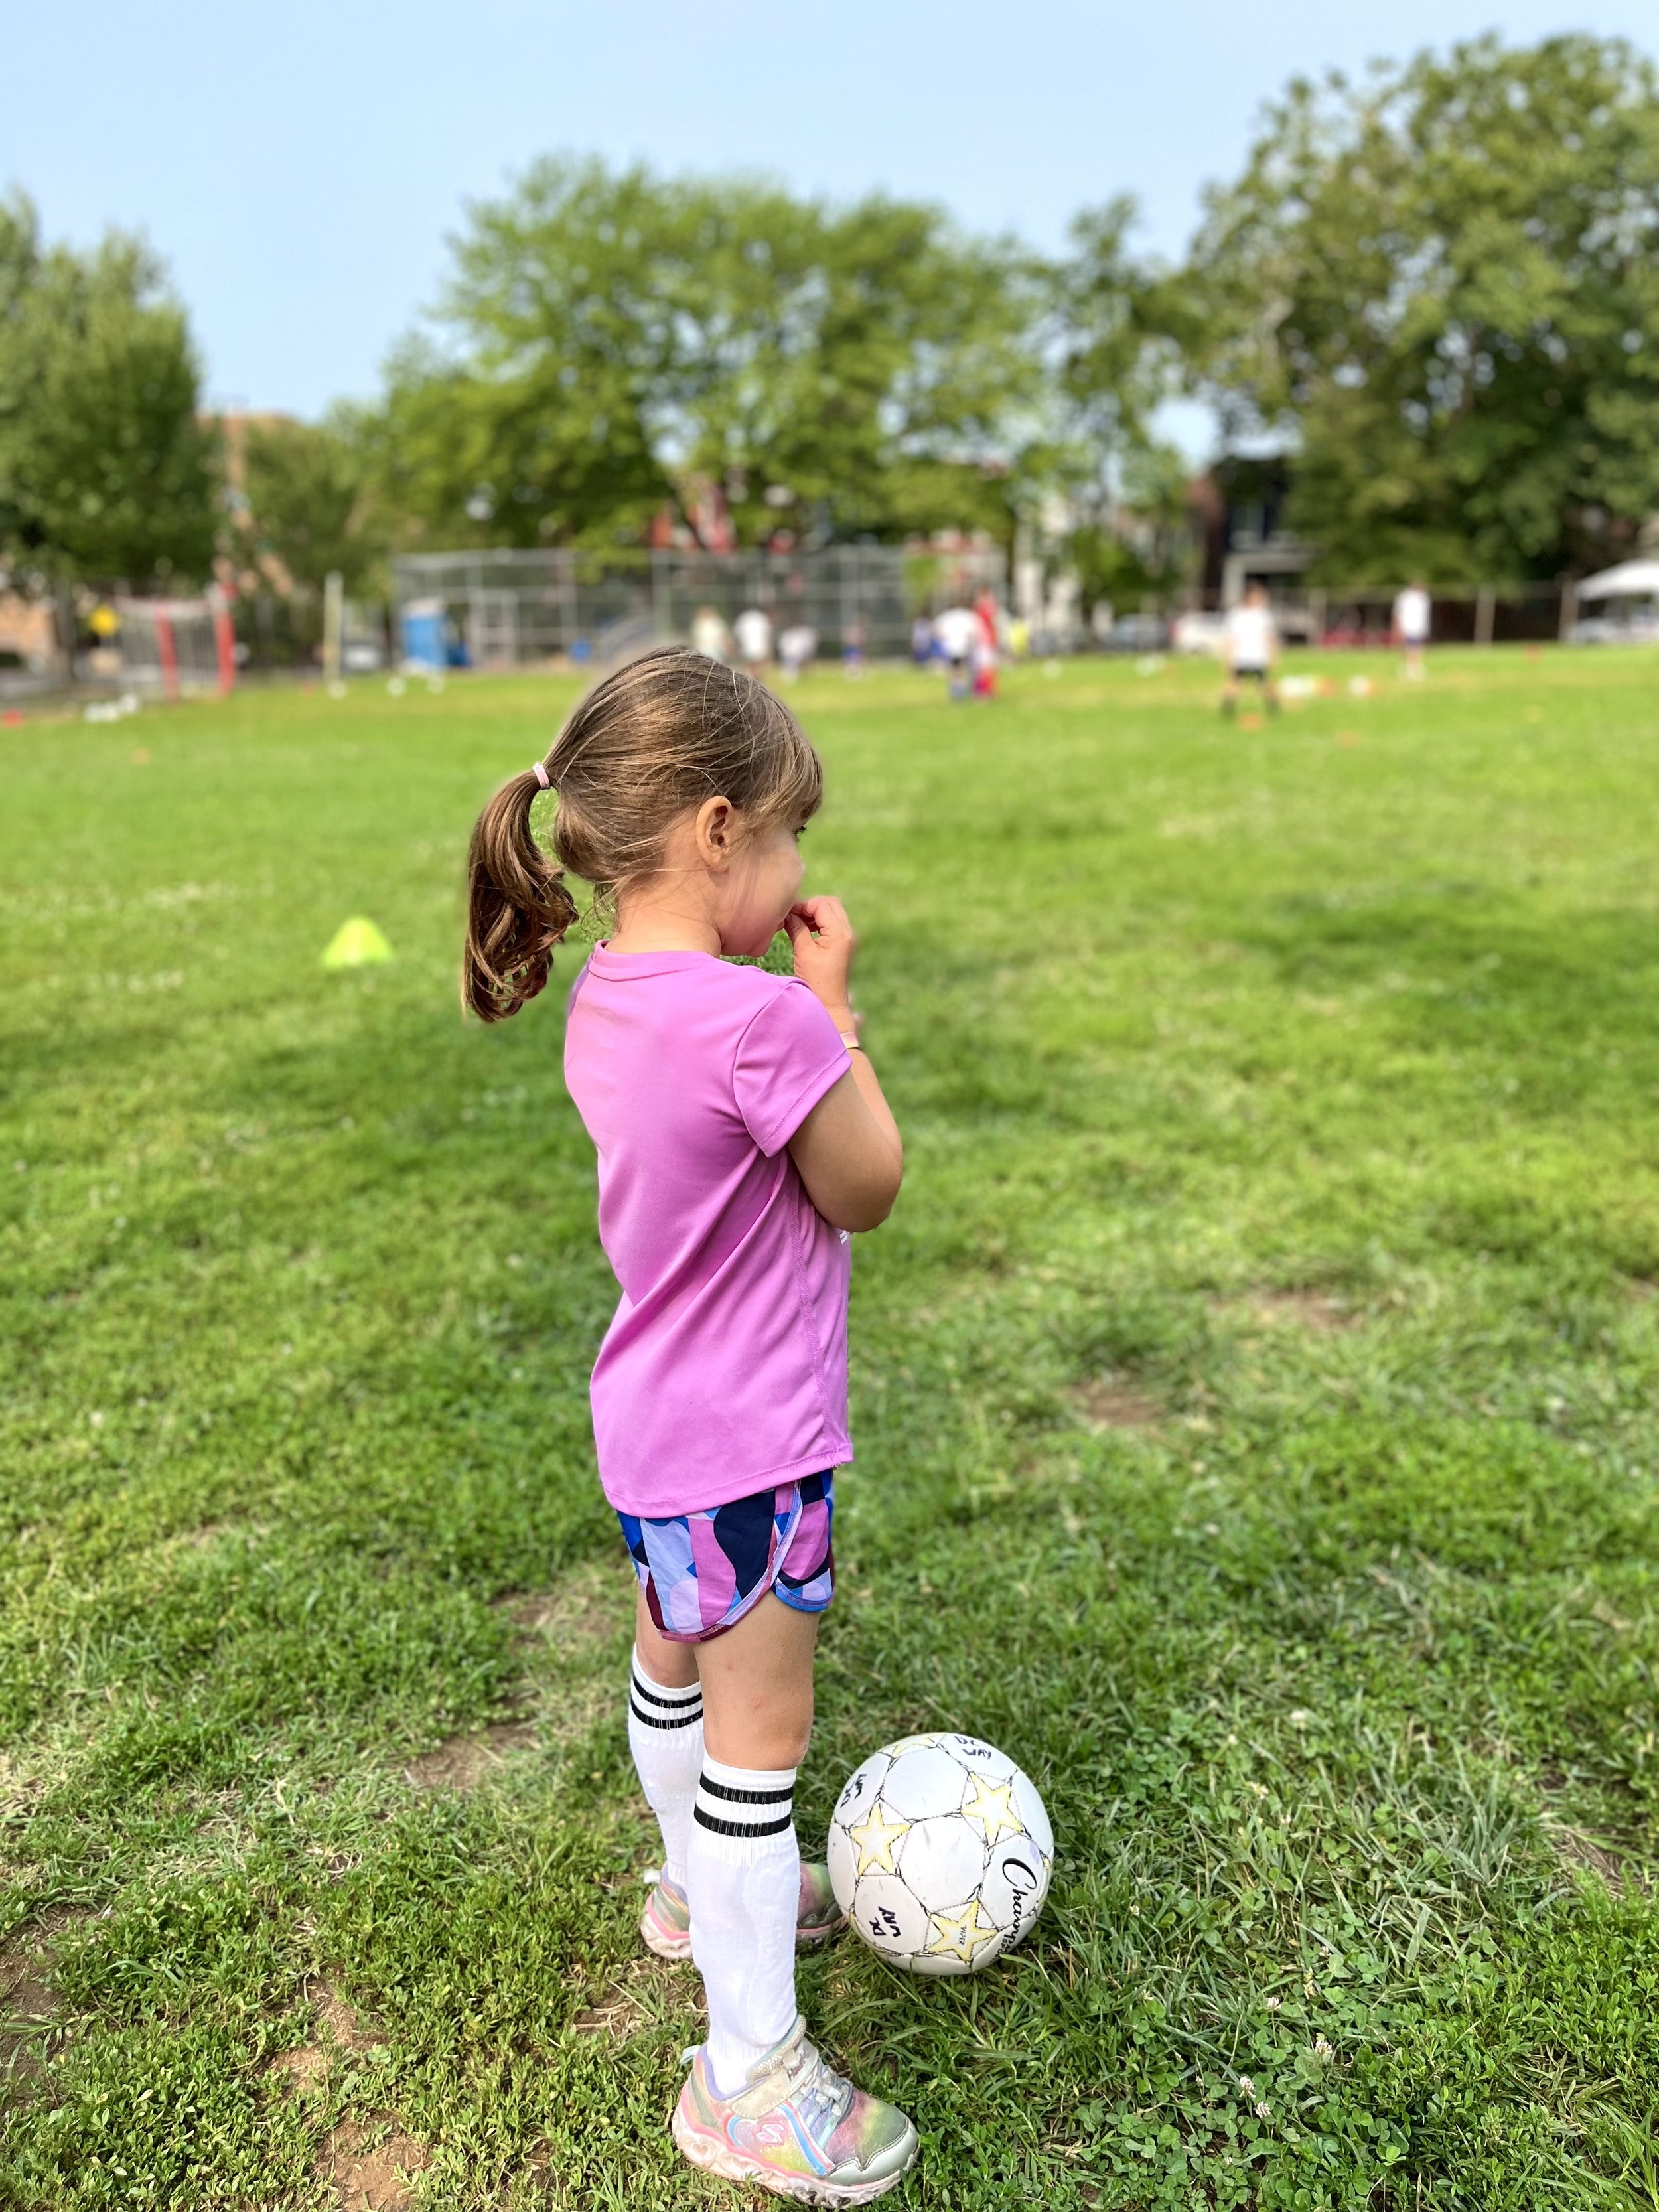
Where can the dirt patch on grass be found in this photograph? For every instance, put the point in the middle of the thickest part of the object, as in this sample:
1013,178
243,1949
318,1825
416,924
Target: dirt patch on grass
1109,1403
366,2163
1320,1311
463,1761
338,2019
342,2031
304,2071
21,1787
29,2008
1582,1851
567,1684
648,1991
616,2014
370,2163
592,1603
565,1636
306,2067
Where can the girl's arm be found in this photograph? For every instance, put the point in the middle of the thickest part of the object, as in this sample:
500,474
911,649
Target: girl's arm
847,1150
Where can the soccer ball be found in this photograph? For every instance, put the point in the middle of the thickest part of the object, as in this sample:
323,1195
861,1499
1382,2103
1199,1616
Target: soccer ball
940,1853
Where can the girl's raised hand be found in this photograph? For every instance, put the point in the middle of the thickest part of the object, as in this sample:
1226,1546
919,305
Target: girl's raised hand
821,939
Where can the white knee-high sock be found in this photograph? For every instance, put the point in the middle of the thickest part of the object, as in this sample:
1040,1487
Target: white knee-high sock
664,1734
744,1869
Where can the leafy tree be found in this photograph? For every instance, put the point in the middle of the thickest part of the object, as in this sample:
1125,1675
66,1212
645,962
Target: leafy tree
619,336
309,500
1139,544
1444,284
869,361
1119,325
106,471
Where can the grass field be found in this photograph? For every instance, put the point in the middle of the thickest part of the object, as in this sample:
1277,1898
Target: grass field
1255,1395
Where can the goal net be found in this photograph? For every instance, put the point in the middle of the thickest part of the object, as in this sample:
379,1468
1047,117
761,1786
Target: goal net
173,646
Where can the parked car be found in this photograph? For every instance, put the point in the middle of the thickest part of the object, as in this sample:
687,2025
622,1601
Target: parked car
1638,627
1199,632
1136,634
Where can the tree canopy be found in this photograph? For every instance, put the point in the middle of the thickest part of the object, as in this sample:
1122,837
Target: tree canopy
1442,284
309,501
1437,287
106,470
616,336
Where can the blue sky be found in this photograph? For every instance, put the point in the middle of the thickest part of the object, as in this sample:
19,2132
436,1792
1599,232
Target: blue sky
298,168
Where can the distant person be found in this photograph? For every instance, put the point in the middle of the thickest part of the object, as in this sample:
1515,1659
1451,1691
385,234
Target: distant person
709,635
798,648
923,644
753,632
1413,617
957,631
1250,646
1019,639
854,660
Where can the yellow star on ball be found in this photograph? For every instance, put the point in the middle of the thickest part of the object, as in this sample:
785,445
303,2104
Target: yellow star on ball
877,1839
961,1935
991,1809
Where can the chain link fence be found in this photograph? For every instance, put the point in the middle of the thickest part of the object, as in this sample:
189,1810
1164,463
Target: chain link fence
504,609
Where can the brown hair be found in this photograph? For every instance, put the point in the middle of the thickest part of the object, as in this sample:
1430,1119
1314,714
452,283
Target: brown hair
661,735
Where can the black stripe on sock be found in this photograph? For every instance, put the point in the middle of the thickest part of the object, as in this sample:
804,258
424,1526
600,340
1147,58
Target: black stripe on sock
661,1720
693,1696
774,1796
738,1828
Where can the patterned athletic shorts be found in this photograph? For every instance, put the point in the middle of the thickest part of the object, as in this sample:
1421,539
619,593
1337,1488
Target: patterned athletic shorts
701,1572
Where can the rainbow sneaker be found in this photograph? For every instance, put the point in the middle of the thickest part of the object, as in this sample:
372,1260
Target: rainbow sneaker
796,2127
666,1923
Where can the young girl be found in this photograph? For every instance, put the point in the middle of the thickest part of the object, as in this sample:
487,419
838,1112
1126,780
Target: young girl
742,1138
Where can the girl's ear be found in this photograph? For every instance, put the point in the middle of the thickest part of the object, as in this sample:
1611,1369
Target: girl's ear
714,832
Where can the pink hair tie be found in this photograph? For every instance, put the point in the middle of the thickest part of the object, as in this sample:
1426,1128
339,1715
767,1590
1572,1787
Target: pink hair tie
541,775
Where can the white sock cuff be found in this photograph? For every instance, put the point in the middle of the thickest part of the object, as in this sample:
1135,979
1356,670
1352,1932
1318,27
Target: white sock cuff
747,1804
750,1778
659,1707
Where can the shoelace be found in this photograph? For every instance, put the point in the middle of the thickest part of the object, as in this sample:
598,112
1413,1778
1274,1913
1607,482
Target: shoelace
825,2094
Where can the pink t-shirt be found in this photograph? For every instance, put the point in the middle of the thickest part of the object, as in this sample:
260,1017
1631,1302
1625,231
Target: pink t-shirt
724,1370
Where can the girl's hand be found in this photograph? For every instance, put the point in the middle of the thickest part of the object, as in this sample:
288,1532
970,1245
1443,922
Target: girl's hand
821,939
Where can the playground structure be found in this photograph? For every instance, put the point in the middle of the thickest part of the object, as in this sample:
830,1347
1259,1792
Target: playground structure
507,609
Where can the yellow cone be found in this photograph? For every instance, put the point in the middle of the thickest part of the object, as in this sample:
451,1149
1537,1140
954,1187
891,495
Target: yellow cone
355,944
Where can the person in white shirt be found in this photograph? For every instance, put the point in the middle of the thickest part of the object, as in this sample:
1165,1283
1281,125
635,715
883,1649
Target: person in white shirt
958,633
1250,646
709,634
1413,612
753,631
797,647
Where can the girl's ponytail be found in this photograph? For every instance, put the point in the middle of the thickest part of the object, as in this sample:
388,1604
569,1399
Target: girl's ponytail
518,908
657,737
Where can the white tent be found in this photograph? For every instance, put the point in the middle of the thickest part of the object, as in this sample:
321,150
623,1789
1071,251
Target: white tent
1631,579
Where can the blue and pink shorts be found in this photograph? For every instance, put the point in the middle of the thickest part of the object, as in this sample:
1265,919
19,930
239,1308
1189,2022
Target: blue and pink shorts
701,1572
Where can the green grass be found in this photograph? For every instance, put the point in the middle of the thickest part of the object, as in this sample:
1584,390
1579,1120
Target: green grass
1292,1089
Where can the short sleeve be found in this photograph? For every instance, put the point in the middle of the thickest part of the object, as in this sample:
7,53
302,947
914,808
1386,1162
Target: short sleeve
788,1058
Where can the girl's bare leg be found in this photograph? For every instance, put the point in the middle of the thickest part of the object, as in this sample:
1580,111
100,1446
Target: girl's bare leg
674,1665
758,1686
